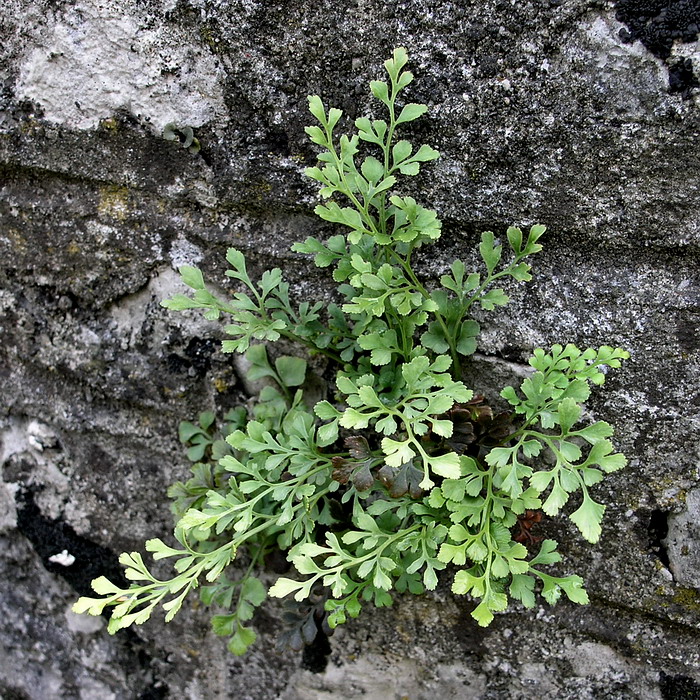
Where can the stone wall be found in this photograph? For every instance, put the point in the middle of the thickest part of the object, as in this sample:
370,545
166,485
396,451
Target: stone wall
580,114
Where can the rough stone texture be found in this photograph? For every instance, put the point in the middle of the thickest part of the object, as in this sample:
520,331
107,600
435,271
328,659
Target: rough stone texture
681,543
544,111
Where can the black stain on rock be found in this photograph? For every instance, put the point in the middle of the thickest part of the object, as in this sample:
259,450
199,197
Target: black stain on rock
688,332
155,692
681,78
197,356
11,693
657,530
658,24
277,140
678,687
304,627
315,655
199,351
50,537
469,637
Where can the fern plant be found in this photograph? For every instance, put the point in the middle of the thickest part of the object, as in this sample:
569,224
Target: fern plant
403,470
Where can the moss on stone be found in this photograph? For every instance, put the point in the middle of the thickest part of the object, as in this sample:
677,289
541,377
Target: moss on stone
688,598
114,202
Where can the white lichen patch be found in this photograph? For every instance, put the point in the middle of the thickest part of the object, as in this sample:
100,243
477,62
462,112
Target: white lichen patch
183,252
400,678
8,510
95,58
628,74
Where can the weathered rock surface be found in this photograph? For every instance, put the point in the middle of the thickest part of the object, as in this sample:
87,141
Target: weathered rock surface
544,111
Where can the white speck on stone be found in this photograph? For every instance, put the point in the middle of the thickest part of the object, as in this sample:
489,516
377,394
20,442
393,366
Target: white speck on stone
665,573
95,58
40,436
64,558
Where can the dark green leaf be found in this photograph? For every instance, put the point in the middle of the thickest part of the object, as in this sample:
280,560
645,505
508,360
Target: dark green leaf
187,431
292,370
